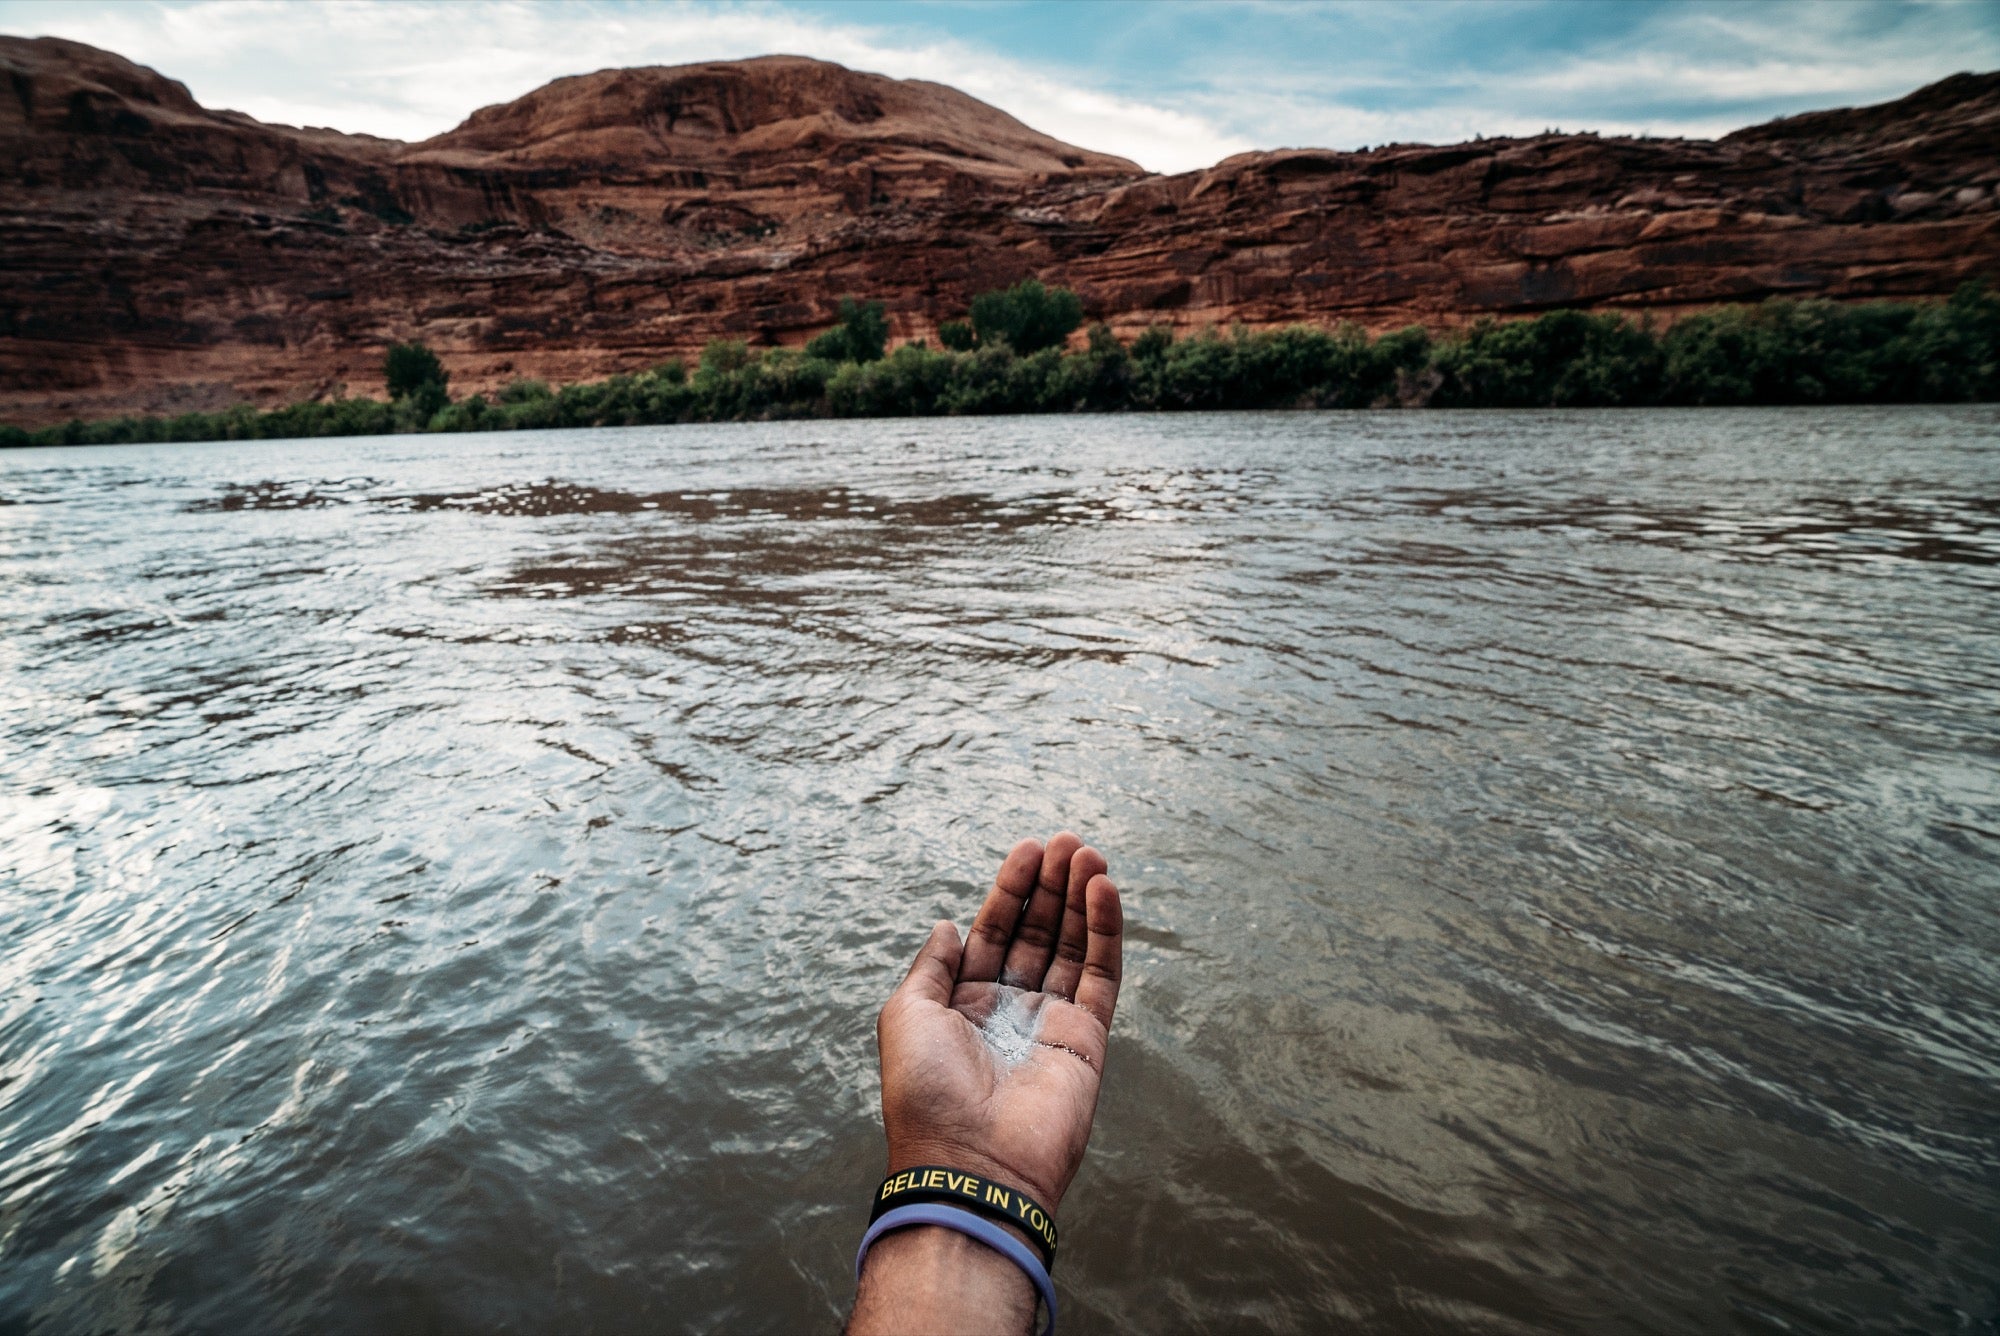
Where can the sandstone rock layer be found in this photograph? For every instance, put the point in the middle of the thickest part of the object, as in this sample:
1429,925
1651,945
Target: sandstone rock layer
158,256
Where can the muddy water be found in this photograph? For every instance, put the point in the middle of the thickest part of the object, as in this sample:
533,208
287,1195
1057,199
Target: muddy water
445,884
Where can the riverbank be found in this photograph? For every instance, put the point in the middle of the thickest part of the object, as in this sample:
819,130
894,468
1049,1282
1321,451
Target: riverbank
1774,352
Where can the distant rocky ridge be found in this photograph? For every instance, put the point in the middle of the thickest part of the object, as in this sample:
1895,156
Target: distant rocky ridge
156,256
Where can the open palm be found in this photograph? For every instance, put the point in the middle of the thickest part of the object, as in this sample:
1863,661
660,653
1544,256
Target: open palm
992,1051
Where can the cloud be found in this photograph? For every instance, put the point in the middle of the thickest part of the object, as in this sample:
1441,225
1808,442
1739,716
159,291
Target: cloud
1680,69
1748,56
416,68
1173,87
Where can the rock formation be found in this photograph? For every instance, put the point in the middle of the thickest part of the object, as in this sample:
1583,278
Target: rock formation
157,256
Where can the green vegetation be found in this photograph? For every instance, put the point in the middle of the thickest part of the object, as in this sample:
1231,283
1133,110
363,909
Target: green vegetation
1026,317
1011,358
414,374
861,335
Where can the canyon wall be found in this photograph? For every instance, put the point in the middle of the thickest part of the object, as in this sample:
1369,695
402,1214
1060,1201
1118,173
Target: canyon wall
157,256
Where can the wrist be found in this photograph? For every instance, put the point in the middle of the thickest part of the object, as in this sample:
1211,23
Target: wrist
910,1154
928,1278
999,1204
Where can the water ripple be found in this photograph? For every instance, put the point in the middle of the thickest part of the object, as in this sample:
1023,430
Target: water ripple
446,883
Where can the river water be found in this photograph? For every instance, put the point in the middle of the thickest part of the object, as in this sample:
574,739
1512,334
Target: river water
446,883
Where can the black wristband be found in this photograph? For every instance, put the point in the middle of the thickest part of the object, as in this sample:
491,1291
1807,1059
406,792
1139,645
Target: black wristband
955,1187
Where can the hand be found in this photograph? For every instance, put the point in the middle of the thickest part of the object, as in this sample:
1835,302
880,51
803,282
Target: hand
992,1052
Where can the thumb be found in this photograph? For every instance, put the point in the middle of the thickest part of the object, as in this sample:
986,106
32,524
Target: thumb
935,969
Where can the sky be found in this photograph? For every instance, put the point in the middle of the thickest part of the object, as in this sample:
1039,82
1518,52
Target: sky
1174,86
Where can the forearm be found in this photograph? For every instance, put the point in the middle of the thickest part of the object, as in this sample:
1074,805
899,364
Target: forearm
936,1281
994,1086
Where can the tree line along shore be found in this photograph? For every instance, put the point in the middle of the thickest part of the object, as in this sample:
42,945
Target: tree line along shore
1011,355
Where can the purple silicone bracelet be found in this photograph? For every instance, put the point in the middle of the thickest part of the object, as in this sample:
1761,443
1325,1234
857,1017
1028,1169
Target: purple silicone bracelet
972,1226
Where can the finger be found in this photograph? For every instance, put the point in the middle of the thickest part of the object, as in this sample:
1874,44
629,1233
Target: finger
936,966
1103,958
1035,935
993,929
1067,968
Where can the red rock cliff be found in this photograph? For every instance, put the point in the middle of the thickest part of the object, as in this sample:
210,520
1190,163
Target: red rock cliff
158,256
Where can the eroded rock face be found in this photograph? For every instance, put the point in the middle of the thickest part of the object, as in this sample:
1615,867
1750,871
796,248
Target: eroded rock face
157,256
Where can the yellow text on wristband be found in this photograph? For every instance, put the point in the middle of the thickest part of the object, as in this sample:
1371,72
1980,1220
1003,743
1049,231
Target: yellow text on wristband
956,1187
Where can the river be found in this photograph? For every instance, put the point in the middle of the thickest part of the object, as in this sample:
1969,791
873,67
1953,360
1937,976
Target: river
446,883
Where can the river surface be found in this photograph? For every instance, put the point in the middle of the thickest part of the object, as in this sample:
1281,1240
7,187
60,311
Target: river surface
446,883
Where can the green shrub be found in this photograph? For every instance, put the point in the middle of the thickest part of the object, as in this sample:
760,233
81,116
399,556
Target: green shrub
1776,352
907,383
723,356
1152,344
410,368
1099,379
860,336
979,382
523,391
1196,373
1393,367
1812,351
1026,317
1954,348
466,415
1564,359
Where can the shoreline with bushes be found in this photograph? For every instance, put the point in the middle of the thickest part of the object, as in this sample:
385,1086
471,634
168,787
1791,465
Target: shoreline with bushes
1011,357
